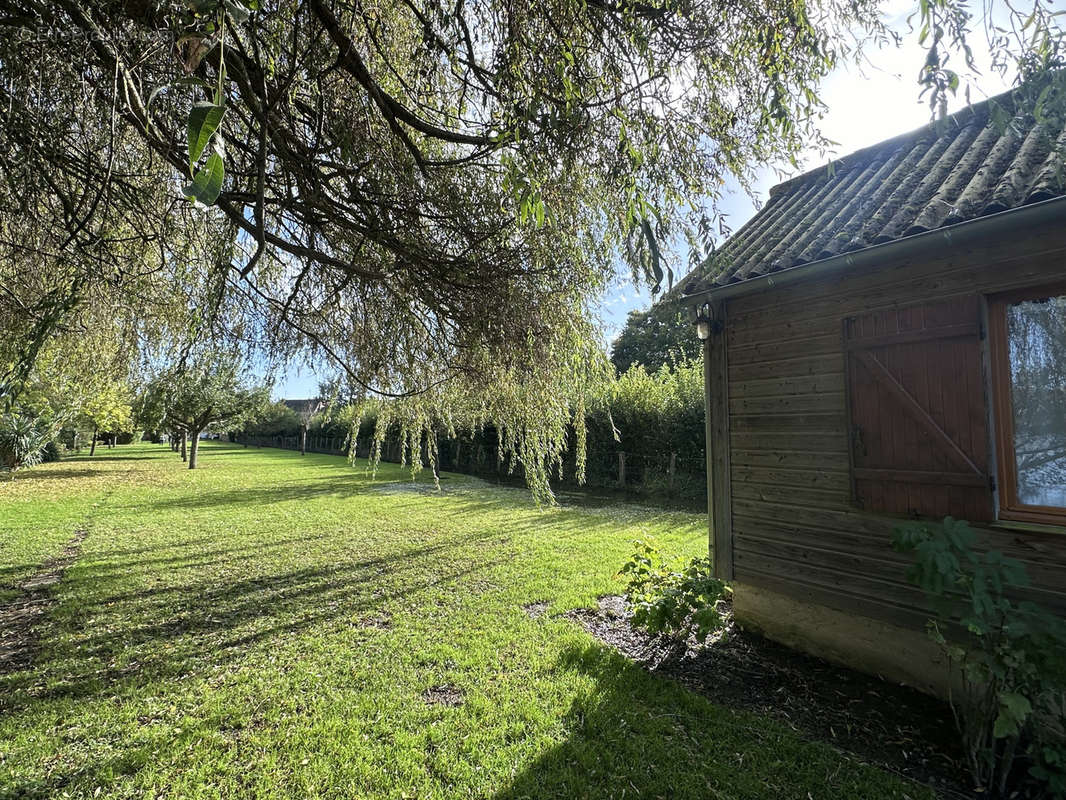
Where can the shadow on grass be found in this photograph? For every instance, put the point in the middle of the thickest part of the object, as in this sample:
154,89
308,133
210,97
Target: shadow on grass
194,626
85,458
48,472
640,735
257,496
457,499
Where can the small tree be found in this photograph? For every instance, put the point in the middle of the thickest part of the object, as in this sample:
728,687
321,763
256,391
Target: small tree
654,338
194,399
306,412
109,410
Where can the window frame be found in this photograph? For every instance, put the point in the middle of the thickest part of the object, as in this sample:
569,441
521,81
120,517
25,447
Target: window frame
1009,507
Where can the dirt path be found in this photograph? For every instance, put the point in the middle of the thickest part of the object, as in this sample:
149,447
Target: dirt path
20,618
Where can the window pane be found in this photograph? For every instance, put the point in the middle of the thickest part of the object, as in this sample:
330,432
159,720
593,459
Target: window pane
1037,339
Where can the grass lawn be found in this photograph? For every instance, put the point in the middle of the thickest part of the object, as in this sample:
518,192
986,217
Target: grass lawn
272,626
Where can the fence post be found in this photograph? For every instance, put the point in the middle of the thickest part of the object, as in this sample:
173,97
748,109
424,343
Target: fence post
621,470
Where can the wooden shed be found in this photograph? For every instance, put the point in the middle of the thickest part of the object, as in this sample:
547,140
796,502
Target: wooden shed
886,339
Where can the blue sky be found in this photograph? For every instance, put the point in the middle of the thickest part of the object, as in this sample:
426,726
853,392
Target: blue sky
866,105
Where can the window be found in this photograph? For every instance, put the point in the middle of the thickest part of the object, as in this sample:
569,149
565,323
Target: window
1028,345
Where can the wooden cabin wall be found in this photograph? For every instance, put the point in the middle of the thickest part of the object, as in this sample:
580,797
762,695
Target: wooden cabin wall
795,529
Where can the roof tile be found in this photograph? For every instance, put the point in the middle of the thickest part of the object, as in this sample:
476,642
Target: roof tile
951,171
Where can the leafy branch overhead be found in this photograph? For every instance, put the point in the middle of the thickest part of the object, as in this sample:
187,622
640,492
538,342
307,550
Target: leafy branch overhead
416,192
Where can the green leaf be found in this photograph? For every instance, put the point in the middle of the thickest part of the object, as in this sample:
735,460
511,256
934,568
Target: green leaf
207,185
204,119
1013,711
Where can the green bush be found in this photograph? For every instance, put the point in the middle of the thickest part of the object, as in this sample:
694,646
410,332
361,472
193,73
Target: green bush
22,441
50,453
1009,657
670,596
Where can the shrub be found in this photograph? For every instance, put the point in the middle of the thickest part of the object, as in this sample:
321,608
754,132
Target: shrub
670,596
1010,659
50,453
22,441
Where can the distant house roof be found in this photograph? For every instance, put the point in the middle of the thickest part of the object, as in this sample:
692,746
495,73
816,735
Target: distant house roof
304,406
976,162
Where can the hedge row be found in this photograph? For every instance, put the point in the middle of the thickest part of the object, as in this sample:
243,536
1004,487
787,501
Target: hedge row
646,436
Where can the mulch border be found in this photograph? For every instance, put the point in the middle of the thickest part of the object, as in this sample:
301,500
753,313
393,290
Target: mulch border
893,727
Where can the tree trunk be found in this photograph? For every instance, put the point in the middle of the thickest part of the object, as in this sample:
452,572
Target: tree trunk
303,440
194,448
92,449
184,445
114,440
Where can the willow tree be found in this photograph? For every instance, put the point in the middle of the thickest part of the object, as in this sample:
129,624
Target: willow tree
429,194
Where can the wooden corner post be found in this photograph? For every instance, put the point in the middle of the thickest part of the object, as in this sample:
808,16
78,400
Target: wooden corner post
716,408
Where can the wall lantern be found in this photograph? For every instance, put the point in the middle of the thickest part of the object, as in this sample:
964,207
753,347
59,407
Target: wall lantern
706,324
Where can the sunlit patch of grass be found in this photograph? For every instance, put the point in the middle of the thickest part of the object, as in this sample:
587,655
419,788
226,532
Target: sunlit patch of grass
275,626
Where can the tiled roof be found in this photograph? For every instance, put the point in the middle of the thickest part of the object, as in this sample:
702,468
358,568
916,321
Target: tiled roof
958,169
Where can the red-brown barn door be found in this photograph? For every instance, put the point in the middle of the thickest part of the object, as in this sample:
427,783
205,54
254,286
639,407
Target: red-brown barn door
918,412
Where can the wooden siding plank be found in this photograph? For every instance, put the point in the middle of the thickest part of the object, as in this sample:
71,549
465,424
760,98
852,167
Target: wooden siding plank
793,495
785,404
758,351
899,604
800,479
787,367
810,333
825,519
872,606
832,382
786,459
777,441
1047,566
802,422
